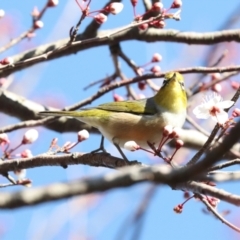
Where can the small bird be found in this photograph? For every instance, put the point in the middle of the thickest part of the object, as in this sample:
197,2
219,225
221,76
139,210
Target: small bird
141,120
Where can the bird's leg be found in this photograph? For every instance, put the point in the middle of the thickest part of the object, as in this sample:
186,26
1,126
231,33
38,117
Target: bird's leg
101,147
121,152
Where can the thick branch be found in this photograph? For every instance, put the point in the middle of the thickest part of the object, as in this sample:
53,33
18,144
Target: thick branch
24,109
125,177
29,58
90,159
130,176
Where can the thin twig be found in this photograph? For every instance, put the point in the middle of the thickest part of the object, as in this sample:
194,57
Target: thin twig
216,214
113,86
26,33
225,165
212,83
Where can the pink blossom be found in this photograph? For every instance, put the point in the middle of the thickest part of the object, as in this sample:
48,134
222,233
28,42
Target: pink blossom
179,143
83,135
114,8
213,107
217,87
4,139
30,136
143,26
131,146
134,2
167,130
26,154
100,18
156,57
156,69
6,61
35,12
157,6
236,112
38,24
117,98
52,3
176,4
215,76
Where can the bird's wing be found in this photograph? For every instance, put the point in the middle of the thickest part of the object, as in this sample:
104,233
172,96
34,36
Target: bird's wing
143,106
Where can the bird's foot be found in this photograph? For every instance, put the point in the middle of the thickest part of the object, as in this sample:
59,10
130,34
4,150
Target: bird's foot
101,147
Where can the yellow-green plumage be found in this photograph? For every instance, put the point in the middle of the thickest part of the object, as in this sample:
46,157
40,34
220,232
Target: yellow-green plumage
142,120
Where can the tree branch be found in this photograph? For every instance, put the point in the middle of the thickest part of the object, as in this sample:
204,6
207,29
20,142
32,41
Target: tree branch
42,53
48,159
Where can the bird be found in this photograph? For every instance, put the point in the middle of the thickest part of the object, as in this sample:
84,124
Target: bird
141,121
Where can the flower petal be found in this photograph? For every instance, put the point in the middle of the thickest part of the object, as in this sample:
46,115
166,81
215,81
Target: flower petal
220,117
201,112
225,104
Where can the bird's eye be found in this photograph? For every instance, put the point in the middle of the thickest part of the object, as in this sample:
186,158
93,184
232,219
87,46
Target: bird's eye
164,82
182,85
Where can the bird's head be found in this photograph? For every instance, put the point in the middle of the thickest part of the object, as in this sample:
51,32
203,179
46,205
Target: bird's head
172,96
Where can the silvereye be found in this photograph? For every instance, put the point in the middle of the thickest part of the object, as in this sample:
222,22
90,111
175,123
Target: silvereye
141,120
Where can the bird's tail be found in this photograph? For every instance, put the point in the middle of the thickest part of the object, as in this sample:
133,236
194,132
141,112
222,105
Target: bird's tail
58,113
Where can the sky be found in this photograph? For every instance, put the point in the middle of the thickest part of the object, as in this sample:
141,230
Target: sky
60,83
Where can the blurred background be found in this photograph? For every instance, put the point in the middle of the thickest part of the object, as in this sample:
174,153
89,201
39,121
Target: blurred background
59,83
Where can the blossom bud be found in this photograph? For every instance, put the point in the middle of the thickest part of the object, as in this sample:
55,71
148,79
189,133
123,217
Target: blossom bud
235,85
54,142
235,113
131,146
52,3
159,24
213,201
114,8
30,136
4,139
176,4
38,24
6,61
215,76
179,143
217,88
143,26
25,182
134,2
178,208
35,12
2,13
142,85
117,98
175,133
155,69
156,57
26,154
100,18
186,195
157,6
167,130
83,135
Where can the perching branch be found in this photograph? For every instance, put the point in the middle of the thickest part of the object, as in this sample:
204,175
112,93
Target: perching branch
130,176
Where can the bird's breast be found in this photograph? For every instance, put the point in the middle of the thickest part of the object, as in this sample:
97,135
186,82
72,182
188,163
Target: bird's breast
122,127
